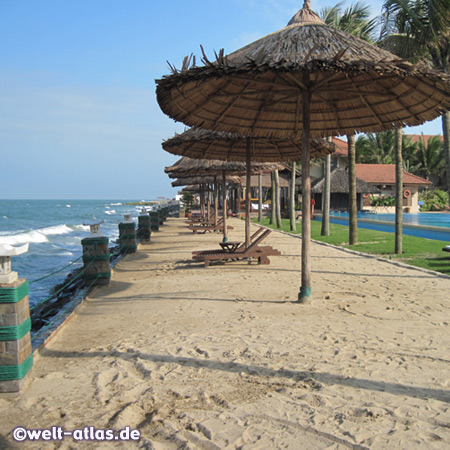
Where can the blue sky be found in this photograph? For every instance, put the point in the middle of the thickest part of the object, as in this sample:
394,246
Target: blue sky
78,113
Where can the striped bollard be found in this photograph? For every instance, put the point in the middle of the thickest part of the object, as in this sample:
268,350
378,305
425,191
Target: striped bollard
96,257
127,235
16,357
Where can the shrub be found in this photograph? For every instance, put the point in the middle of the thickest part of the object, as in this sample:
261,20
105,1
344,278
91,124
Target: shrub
434,200
382,201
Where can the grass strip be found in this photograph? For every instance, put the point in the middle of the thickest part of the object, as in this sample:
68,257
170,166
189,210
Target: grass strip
419,252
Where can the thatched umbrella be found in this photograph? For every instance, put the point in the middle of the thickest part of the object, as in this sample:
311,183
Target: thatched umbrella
233,148
187,142
307,79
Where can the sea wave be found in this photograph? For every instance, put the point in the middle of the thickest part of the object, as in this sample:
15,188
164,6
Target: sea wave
116,204
35,236
81,227
22,238
113,211
57,229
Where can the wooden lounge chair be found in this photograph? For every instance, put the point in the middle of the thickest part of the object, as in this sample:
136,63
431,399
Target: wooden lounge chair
203,227
239,248
253,251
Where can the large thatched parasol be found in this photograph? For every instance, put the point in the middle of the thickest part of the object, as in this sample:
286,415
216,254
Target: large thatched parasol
205,144
232,148
307,79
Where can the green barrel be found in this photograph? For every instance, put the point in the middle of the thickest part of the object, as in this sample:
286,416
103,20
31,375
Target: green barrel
96,260
161,217
154,220
127,237
144,227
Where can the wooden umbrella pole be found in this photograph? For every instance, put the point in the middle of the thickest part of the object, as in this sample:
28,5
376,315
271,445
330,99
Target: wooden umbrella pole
208,212
305,290
202,200
260,199
248,195
224,192
216,201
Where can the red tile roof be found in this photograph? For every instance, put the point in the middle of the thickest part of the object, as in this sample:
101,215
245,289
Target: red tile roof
341,147
385,174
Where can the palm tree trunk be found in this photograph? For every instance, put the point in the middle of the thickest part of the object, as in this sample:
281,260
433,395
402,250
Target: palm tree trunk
260,199
273,205
353,207
398,192
277,198
292,199
326,196
446,134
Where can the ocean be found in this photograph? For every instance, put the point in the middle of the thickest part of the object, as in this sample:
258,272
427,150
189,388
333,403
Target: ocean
54,230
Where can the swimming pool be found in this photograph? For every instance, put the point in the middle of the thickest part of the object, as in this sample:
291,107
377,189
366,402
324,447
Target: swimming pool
425,225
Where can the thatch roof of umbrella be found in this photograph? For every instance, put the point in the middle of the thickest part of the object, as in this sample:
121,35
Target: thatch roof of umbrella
192,188
257,90
339,184
307,79
199,143
189,166
185,181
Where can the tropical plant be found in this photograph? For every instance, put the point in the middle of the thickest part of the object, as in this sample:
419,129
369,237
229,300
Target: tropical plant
434,200
188,200
382,201
430,162
420,31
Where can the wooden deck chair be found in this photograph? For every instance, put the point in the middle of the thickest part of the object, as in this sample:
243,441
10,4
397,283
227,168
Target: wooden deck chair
242,246
253,251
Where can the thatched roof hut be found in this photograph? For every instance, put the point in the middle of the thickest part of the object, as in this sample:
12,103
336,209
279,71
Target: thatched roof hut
339,184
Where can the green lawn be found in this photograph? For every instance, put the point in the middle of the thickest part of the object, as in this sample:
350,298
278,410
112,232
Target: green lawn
418,252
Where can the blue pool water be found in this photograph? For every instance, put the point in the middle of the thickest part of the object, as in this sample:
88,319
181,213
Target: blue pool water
434,226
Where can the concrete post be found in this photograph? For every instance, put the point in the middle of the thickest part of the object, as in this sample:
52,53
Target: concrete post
127,235
16,358
96,257
144,228
154,218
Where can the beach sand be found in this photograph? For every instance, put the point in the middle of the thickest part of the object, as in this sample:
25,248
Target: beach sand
222,357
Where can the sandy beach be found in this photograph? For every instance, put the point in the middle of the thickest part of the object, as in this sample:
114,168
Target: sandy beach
222,357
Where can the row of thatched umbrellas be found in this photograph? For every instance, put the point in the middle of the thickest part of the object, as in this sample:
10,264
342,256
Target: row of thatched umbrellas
305,80
195,142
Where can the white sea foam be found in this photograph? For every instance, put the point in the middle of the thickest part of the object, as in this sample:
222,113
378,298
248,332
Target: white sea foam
57,229
5,217
116,204
68,206
35,236
113,211
81,227
22,238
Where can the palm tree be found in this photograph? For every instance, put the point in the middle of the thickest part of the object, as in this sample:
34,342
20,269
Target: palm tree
429,158
353,20
420,30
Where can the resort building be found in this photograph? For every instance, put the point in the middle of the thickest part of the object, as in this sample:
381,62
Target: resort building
382,176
